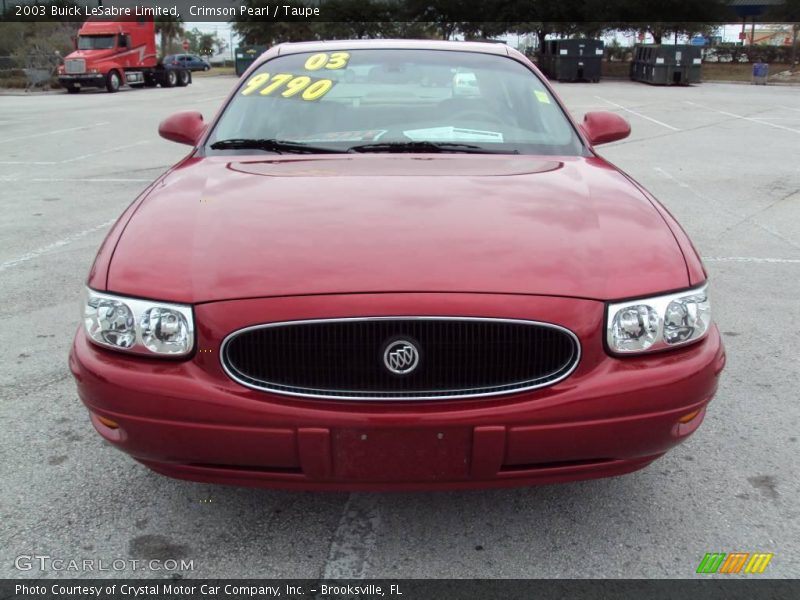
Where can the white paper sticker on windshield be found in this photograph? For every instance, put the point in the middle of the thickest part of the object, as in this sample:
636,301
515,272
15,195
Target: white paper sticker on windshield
452,134
659,61
562,52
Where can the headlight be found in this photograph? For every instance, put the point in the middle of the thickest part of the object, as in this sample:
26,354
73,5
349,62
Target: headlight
139,326
651,324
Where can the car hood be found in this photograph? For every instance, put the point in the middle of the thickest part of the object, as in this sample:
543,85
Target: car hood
233,227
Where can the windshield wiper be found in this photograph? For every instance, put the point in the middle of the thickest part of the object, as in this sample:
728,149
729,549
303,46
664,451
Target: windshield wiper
431,147
271,145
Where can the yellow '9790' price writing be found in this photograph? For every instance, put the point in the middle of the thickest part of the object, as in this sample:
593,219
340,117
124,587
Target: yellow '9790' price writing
334,60
292,85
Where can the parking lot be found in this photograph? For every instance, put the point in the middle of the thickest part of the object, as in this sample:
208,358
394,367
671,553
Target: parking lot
723,158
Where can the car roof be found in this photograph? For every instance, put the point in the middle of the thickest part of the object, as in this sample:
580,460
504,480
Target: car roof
319,46
326,46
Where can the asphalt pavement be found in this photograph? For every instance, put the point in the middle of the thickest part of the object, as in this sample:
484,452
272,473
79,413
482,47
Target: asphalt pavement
722,157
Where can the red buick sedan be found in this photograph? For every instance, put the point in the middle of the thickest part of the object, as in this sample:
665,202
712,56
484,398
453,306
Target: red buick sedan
395,265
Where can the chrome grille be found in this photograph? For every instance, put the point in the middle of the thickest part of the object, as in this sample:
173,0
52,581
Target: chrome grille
75,66
459,357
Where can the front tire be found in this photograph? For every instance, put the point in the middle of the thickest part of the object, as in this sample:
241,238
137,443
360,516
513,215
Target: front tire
206,68
113,82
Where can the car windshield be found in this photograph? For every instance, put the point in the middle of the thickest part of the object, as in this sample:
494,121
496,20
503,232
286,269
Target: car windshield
400,100
95,42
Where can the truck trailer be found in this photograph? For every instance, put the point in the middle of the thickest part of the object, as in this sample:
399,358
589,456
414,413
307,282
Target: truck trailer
113,53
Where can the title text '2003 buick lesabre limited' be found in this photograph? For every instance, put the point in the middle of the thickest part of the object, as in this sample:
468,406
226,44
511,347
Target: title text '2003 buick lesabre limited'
395,265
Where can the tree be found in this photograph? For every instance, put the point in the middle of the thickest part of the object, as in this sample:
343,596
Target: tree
39,44
444,15
408,29
788,12
203,43
256,30
169,27
591,19
663,18
542,17
483,30
210,44
355,19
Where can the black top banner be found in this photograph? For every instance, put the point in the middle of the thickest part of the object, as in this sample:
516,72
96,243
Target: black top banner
730,588
623,12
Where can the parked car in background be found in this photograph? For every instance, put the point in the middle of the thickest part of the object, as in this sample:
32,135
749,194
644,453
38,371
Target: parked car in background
712,56
191,62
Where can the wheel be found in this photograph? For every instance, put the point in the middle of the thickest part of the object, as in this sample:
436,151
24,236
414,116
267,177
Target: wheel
113,82
150,80
183,78
206,68
170,79
73,89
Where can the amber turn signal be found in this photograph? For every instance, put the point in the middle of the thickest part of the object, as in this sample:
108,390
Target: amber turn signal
689,416
108,422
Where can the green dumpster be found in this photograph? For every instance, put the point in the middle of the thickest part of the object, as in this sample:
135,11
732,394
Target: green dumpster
657,64
245,55
572,60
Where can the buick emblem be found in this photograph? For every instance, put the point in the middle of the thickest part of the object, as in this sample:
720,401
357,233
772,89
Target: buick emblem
401,357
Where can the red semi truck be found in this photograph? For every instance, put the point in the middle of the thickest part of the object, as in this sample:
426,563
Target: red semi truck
111,54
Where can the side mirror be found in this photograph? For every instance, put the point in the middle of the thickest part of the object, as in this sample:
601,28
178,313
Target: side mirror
604,127
184,127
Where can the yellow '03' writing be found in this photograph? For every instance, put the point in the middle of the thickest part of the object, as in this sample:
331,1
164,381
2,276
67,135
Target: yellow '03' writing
334,60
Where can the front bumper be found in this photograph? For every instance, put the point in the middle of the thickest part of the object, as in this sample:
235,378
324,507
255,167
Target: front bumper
83,80
187,419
